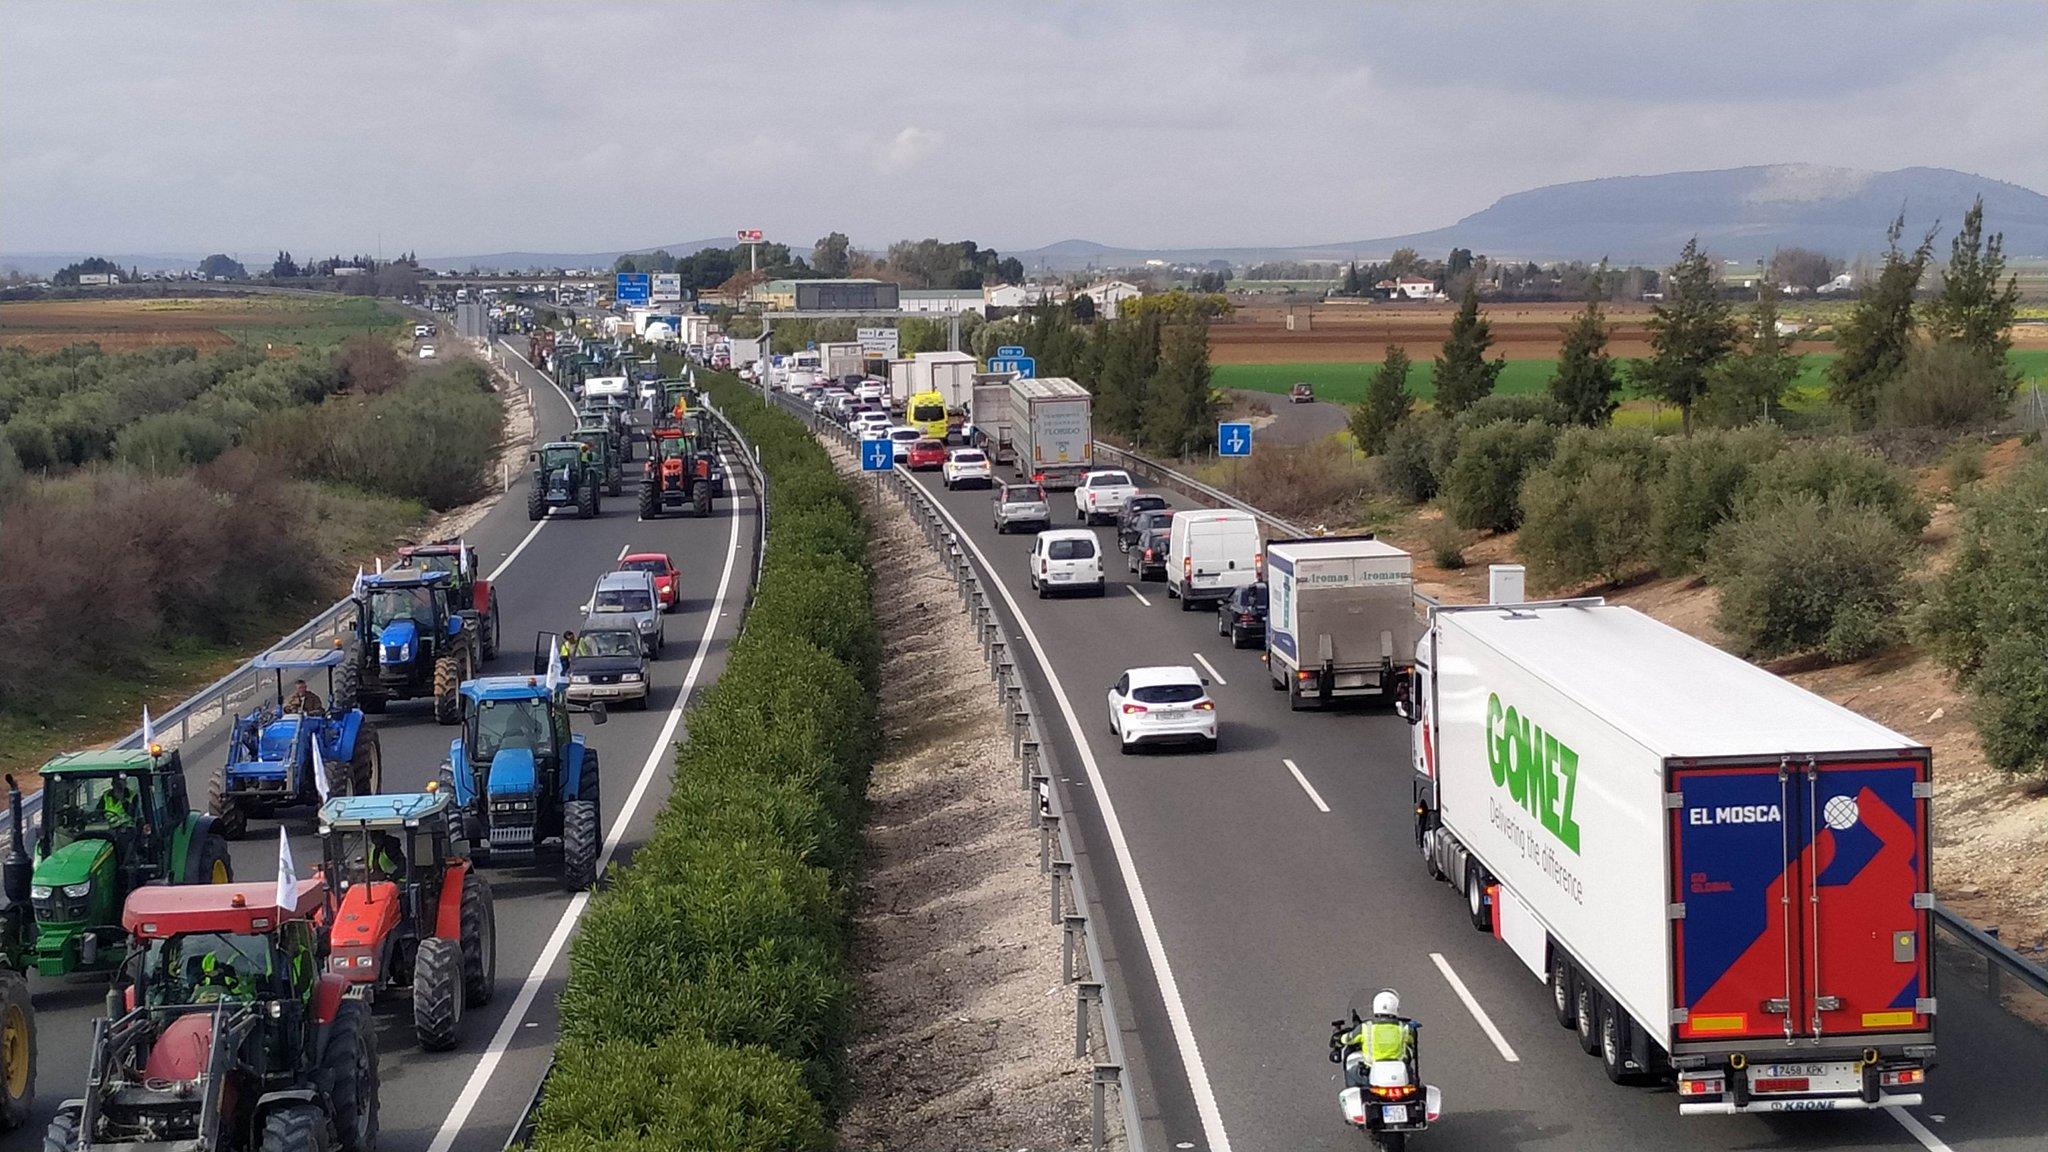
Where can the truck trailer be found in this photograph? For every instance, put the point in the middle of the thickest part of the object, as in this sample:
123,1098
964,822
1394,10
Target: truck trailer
1721,877
841,358
989,414
1051,424
1340,619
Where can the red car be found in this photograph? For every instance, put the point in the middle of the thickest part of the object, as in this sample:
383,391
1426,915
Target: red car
926,455
667,581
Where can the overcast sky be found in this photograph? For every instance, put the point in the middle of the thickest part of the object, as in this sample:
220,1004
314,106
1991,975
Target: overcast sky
461,128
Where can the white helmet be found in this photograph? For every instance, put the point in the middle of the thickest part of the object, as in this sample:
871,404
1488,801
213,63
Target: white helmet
1386,1003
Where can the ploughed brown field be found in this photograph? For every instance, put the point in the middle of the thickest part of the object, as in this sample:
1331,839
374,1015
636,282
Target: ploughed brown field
126,325
1353,332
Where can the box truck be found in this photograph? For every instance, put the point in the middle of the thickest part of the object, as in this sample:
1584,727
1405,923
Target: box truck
1340,619
841,358
1722,877
901,381
989,414
950,374
1051,424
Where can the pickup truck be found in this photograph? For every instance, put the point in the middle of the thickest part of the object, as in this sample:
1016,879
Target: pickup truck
1102,495
1301,393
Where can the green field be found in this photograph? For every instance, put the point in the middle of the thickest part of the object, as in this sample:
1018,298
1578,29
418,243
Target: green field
1345,383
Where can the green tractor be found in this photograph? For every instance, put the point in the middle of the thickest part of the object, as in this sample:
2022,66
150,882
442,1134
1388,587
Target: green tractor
565,475
603,445
113,821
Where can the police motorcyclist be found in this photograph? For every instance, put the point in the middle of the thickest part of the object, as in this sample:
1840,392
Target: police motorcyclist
1383,1036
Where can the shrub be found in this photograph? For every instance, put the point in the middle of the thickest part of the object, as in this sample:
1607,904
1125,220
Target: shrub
1965,465
1446,545
1840,472
1984,617
1517,407
1703,478
1311,480
1799,573
1408,466
1483,487
1945,386
825,601
1586,512
171,442
685,1092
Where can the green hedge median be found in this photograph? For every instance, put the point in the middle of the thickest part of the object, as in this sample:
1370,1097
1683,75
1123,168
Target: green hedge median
709,1000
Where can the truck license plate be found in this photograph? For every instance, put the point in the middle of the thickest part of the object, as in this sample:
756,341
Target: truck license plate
1779,1079
1394,1113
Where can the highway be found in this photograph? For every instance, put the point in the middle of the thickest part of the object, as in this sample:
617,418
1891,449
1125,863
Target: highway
469,1099
1252,893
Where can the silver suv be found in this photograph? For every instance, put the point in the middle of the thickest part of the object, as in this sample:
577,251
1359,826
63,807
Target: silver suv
1021,505
627,599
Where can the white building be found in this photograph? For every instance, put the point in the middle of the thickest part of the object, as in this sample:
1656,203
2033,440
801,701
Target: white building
944,301
1842,283
1408,288
1109,294
1023,295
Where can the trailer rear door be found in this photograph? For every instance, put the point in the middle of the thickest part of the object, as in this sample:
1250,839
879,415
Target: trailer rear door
1798,884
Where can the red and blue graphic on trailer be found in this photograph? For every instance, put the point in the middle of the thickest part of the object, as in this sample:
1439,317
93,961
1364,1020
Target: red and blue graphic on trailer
1799,885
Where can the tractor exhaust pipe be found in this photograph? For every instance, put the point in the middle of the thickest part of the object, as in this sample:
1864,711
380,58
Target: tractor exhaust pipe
14,870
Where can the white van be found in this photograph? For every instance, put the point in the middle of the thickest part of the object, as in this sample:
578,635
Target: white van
1066,560
1211,551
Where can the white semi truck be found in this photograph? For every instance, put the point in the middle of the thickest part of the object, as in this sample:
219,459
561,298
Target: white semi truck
1721,877
1052,427
1340,619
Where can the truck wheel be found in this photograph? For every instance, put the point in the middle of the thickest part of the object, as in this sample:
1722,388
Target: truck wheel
296,1128
1475,897
365,768
228,816
62,1135
536,504
579,845
447,698
1564,1002
479,942
347,1077
437,994
17,1051
1586,1015
1617,1041
1423,846
1296,702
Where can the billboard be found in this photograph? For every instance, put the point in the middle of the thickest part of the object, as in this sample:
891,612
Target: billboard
845,296
667,286
881,342
750,235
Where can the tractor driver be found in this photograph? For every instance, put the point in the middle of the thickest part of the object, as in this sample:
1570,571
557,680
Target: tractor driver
387,857
220,980
510,724
303,701
117,805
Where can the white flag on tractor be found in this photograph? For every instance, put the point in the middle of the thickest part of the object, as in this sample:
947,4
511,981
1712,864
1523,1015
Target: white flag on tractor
319,770
356,589
462,557
148,729
287,876
554,668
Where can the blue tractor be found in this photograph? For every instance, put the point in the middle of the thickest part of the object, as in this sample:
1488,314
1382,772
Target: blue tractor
521,778
271,762
414,639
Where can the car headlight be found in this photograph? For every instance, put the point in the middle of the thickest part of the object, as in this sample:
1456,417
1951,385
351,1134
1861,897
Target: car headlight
579,679
78,891
39,892
629,678
645,625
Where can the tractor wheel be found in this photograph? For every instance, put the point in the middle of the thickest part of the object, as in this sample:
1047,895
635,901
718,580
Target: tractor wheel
617,485
536,503
17,1051
348,687
229,817
447,682
437,995
479,942
579,845
650,502
295,1128
62,1135
208,862
365,769
703,499
586,780
491,629
586,500
347,1077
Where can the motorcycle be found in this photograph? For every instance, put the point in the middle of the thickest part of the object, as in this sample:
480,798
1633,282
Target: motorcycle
1383,1098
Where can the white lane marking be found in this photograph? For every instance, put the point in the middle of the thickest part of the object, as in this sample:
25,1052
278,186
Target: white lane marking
1912,1124
1472,1006
1139,595
480,1076
1306,786
1155,947
514,554
1213,673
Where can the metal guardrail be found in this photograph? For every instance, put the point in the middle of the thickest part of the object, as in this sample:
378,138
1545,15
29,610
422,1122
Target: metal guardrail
1081,964
1159,473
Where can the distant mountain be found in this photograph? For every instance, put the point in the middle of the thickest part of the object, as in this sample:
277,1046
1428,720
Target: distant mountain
516,261
1738,214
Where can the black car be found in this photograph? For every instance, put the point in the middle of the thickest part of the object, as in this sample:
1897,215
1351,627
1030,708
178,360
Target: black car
1138,515
1148,556
1242,615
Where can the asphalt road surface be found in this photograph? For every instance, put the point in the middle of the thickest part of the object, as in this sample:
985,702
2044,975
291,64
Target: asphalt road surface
1251,893
470,1098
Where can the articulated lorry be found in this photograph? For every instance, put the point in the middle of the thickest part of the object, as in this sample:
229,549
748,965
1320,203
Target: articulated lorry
988,415
1340,619
1721,877
1052,429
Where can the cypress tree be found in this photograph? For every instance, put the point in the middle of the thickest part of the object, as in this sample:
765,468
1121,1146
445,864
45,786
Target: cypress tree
1463,373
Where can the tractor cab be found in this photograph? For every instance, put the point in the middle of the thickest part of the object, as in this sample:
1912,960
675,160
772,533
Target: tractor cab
414,640
520,776
221,1031
566,474
468,589
278,746
113,823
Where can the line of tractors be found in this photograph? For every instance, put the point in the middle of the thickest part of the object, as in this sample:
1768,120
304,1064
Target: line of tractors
680,471
238,1014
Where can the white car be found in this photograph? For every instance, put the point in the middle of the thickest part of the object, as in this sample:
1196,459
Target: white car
1066,560
967,466
426,351
871,424
1101,495
1162,705
871,393
902,437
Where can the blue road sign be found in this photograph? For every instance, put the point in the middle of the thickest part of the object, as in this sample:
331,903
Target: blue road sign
633,288
877,455
1024,366
1233,439
1010,351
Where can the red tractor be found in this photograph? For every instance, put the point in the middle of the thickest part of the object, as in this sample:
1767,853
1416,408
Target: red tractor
410,912
222,1033
470,590
680,475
